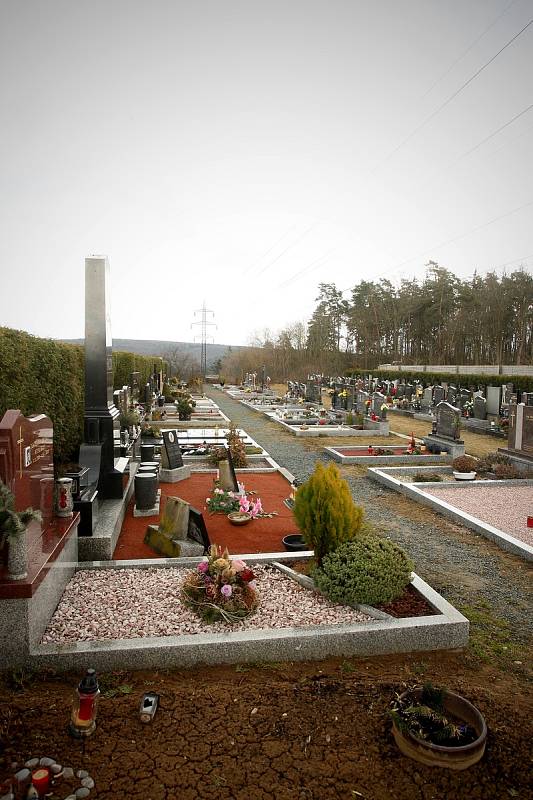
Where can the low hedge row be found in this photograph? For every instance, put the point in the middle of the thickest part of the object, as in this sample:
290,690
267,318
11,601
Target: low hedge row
46,376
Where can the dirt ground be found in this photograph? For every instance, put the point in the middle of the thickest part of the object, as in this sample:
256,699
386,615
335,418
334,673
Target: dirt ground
475,444
273,732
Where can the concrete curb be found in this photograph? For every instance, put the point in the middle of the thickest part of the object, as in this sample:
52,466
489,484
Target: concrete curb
336,453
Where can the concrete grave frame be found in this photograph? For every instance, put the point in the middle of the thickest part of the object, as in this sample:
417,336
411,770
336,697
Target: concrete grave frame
429,458
447,629
504,540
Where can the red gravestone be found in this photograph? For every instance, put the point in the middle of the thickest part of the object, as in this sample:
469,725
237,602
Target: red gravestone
26,464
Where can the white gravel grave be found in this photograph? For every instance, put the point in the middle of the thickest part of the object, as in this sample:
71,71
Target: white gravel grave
130,603
503,507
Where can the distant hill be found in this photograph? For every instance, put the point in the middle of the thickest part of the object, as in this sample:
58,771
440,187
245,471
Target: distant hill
156,347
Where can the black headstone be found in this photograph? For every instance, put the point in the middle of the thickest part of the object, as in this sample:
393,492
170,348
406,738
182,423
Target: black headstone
172,449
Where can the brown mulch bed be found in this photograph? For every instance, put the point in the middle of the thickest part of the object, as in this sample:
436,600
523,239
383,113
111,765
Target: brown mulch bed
410,604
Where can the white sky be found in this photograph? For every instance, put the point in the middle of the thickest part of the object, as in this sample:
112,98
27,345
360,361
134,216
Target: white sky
214,149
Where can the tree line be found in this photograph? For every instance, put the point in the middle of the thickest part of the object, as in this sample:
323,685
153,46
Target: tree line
440,319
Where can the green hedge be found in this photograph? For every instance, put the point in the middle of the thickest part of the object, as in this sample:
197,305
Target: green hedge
523,383
48,377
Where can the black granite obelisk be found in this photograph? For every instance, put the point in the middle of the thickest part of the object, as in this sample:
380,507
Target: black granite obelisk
101,448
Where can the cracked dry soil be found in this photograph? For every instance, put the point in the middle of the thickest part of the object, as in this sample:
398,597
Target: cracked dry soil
314,731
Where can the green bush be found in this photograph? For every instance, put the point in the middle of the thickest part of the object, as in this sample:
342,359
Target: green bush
325,511
43,376
368,570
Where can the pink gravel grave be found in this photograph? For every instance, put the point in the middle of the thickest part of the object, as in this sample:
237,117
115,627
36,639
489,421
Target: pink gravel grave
132,603
503,507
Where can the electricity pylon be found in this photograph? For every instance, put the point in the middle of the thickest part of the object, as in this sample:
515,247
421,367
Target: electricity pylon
203,335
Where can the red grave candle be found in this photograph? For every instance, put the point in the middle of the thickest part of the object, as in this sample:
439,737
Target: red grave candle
41,780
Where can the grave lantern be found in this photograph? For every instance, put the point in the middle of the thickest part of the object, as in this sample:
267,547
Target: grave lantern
84,706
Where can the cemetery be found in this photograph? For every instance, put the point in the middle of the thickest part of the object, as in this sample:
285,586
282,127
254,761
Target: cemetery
165,546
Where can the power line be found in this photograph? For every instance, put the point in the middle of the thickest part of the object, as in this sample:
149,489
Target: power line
447,242
297,241
450,98
318,262
480,144
258,260
469,48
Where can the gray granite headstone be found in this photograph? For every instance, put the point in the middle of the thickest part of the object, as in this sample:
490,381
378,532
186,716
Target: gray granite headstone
480,408
378,400
438,395
409,391
493,400
451,394
448,420
427,397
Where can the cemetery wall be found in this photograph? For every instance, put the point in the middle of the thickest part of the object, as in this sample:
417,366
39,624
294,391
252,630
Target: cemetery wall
48,377
504,370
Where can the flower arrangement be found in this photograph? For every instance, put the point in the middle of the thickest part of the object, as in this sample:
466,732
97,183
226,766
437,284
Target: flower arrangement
222,502
221,588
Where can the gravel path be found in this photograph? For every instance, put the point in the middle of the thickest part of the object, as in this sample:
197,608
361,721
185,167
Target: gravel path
464,567
504,507
119,604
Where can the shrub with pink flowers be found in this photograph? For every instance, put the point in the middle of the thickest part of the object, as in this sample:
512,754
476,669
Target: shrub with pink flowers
221,588
223,502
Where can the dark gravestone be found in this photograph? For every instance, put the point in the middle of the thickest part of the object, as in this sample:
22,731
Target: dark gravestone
401,390
527,431
135,384
197,530
438,395
448,420
101,449
312,393
409,391
451,394
507,393
480,408
463,398
172,458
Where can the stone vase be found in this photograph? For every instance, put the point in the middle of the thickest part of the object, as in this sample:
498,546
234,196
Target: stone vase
145,490
17,557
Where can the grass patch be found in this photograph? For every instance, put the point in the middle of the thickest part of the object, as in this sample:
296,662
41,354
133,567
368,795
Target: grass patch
490,637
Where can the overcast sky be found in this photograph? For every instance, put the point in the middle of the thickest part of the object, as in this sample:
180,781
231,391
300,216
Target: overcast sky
242,151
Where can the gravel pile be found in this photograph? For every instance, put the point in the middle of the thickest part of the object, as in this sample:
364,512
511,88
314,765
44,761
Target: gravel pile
463,567
132,603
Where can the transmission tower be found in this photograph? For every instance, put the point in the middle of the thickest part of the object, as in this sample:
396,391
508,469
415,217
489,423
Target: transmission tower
203,335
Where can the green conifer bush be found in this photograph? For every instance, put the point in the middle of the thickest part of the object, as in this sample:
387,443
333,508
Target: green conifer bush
367,570
325,511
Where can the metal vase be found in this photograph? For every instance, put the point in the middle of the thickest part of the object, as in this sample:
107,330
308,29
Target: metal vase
145,490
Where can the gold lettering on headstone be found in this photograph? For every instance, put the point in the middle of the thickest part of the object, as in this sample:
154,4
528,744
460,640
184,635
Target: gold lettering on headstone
20,442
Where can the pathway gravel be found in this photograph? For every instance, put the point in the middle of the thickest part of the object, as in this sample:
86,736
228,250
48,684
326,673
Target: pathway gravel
464,567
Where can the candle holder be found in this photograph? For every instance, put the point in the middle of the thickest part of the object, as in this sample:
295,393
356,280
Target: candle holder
40,779
530,522
84,706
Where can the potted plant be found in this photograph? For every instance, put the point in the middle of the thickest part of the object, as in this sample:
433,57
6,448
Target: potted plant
184,407
13,526
437,727
464,468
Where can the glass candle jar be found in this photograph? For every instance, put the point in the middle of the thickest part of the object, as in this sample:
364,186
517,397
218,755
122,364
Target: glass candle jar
84,706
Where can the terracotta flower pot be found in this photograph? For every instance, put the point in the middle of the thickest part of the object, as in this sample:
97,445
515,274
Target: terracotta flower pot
434,755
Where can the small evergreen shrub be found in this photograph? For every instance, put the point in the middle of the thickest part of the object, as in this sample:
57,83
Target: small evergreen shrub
464,464
325,511
368,570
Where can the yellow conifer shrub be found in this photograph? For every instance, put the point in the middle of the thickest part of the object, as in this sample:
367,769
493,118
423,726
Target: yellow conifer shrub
325,511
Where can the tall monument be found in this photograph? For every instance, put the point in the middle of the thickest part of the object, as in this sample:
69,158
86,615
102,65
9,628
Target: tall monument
101,448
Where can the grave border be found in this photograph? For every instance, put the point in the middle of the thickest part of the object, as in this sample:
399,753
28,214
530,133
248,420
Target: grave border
446,630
